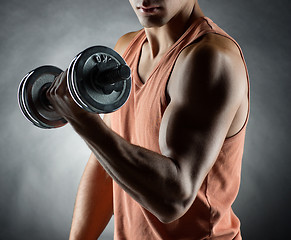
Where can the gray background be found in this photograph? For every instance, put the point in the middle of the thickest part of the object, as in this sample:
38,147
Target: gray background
40,169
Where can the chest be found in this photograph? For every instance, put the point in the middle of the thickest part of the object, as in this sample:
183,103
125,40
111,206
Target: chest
147,65
138,121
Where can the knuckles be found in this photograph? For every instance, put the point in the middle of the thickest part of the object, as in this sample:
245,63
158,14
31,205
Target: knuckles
59,96
58,89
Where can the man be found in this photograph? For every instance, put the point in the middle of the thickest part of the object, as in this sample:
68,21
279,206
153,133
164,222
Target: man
167,164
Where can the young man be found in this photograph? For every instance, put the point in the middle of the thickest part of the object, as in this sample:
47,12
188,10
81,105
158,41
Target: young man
167,164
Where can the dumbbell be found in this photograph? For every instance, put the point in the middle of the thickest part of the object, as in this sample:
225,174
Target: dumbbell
98,80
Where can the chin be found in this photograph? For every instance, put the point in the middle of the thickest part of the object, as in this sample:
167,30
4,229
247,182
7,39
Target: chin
152,22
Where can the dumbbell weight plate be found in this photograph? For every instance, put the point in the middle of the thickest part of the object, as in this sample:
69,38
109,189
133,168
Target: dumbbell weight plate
85,94
31,97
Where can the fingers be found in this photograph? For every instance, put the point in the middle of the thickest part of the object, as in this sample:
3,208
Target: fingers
59,96
58,87
62,81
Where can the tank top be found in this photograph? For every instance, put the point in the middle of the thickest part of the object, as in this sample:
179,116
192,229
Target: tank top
138,121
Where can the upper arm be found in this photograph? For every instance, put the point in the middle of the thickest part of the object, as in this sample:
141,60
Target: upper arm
205,90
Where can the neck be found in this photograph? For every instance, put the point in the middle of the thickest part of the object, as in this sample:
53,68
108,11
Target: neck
160,39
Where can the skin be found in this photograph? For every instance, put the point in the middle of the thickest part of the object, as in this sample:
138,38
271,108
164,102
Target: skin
207,92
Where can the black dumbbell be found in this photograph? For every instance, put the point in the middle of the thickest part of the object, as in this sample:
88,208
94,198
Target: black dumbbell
98,80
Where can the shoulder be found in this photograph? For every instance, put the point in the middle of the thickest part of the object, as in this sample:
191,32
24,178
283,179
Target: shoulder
124,41
213,60
213,51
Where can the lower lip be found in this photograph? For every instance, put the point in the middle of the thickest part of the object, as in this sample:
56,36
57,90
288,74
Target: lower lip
149,10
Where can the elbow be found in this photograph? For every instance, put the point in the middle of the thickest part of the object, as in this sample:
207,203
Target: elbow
169,217
176,207
173,212
177,197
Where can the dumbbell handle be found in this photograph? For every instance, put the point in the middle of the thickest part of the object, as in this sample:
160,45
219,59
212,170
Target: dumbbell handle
112,75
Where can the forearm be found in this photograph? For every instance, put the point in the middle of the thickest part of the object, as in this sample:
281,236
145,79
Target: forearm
150,178
93,207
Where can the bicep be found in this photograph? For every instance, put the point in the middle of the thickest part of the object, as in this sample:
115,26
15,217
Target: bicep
204,99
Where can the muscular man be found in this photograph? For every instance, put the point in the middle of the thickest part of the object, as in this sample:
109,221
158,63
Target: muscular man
167,164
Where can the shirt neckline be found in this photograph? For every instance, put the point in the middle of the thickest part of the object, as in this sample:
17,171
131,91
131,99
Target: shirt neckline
137,80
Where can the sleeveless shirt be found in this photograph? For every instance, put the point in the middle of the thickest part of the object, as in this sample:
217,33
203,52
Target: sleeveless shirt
138,121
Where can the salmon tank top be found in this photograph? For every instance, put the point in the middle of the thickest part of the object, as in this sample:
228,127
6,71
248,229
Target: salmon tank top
138,121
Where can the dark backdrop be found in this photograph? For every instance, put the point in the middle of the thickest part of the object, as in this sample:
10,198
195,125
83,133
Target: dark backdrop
40,169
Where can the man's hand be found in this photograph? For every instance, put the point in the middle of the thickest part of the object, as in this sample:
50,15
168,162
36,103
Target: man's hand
60,98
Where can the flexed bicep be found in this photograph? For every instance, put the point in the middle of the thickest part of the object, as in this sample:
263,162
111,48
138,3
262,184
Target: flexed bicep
204,98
